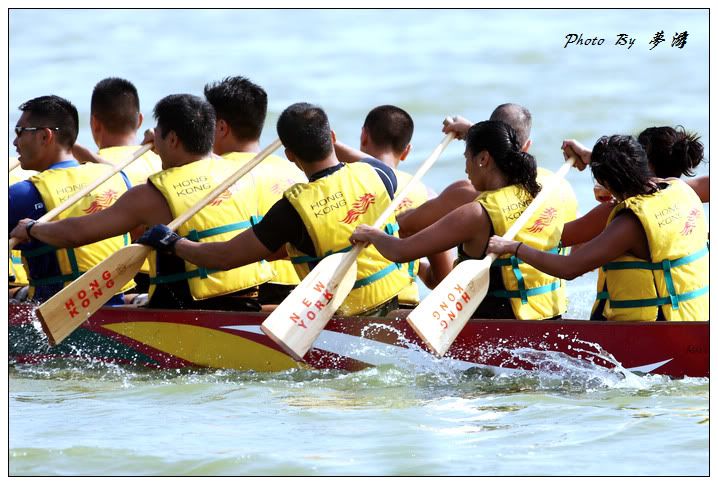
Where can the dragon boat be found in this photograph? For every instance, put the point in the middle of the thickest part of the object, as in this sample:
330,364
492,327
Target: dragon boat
174,339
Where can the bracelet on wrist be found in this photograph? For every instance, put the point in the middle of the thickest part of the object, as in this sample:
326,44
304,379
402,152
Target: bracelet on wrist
27,229
516,252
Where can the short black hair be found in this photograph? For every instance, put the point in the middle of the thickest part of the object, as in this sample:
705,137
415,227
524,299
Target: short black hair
620,164
54,112
304,129
190,117
116,105
241,103
389,127
517,117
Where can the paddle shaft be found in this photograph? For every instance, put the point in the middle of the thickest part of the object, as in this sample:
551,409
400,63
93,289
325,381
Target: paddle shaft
398,198
297,322
50,215
61,315
442,314
246,168
535,204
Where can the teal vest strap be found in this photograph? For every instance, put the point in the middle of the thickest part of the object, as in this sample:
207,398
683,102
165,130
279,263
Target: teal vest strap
412,268
52,280
174,277
652,301
673,298
522,292
315,259
539,290
618,265
194,235
39,251
508,261
376,276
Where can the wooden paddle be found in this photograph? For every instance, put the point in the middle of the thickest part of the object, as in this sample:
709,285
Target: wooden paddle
13,165
442,314
67,309
50,215
296,323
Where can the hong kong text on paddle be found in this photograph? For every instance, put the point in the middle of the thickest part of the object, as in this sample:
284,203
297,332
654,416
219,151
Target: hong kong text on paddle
679,40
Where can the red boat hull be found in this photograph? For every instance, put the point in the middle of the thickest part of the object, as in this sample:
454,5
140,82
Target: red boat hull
216,339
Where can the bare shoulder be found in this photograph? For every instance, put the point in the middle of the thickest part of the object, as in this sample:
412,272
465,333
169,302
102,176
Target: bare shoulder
458,193
701,185
147,203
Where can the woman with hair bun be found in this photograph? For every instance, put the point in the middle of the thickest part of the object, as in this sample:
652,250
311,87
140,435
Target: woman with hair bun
673,152
652,254
507,180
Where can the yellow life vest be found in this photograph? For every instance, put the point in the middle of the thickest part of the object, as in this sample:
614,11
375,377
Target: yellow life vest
56,186
418,195
331,208
16,270
676,277
137,172
272,177
233,212
567,202
533,295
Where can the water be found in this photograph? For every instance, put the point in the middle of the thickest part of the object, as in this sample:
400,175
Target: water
432,420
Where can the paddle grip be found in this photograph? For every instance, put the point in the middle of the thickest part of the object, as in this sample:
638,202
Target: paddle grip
398,198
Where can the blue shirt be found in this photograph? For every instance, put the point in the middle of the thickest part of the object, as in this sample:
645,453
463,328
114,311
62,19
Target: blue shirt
24,202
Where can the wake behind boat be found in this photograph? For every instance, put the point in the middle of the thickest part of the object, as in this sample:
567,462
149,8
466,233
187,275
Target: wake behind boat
174,339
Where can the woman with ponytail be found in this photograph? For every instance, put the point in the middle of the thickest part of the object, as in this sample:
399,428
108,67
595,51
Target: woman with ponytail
652,254
507,181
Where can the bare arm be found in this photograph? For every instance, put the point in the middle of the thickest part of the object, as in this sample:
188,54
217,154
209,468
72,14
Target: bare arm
701,185
452,197
587,226
623,235
440,265
242,249
83,155
581,154
141,205
468,223
347,154
457,125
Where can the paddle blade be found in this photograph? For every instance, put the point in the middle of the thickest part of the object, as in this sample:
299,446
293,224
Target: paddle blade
297,322
440,316
67,309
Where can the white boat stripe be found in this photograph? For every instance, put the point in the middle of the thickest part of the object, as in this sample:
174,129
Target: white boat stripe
377,353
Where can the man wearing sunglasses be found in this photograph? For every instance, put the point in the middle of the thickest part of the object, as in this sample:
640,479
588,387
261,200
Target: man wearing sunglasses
44,136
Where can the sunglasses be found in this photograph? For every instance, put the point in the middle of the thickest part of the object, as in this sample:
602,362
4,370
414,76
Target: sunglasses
20,129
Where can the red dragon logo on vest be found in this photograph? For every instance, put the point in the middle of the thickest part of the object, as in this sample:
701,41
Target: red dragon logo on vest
102,201
690,222
221,198
407,203
546,217
280,187
359,207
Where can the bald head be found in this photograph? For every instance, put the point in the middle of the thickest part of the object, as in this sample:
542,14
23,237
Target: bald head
517,117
